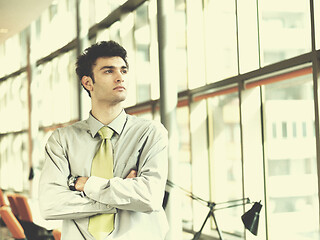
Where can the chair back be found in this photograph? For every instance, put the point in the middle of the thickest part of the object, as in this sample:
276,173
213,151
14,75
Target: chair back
23,208
13,204
2,201
12,223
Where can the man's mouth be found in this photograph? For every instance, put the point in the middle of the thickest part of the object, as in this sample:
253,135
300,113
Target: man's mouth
119,88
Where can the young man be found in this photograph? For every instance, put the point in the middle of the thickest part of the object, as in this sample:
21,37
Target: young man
126,204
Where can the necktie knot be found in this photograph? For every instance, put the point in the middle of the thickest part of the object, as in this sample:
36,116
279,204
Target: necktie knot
105,132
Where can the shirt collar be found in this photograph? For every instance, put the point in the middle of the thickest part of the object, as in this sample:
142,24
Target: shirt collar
116,125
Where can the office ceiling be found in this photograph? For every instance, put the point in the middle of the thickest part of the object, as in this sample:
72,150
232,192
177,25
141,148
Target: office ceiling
16,15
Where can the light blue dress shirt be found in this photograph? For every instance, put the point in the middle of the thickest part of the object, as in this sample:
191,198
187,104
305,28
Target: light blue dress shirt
137,144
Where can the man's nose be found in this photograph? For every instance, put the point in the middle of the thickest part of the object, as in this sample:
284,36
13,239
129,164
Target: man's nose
119,77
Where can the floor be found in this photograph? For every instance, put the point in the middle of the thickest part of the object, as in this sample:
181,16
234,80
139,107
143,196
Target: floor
5,234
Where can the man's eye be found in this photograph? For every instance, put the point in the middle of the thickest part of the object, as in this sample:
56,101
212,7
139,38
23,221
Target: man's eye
124,71
108,71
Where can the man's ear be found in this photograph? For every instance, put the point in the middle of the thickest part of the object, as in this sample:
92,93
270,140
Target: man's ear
87,82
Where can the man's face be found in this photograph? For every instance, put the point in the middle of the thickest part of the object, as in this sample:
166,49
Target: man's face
110,80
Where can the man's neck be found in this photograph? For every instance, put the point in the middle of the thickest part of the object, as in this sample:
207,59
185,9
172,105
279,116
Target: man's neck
106,113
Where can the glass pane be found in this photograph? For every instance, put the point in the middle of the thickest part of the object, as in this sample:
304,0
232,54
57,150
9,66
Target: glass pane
292,195
284,29
104,7
181,48
145,115
12,55
252,147
221,45
248,36
14,162
60,81
195,47
184,164
317,22
2,60
225,159
14,104
114,32
142,45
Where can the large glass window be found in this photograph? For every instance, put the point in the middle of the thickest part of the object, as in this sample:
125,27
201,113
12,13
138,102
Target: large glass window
284,29
290,151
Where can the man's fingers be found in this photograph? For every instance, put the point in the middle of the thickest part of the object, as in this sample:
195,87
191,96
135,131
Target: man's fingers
132,174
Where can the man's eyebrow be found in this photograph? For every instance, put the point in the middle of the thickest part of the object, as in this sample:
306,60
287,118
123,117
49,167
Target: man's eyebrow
112,67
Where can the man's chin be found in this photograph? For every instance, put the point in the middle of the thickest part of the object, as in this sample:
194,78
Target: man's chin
119,100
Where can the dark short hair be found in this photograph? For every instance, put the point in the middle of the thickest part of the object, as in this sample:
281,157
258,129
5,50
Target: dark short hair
90,55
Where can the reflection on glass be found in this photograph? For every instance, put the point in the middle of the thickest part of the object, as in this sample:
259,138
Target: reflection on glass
292,196
225,159
284,29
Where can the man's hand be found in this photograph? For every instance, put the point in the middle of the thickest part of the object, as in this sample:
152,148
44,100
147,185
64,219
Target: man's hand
132,174
81,181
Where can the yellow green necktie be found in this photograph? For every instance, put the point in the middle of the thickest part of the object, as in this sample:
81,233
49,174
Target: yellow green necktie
102,166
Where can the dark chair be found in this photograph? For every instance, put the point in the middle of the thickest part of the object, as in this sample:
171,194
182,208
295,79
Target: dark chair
32,230
12,223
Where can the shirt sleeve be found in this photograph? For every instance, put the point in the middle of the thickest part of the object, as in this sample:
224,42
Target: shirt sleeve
56,200
143,193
